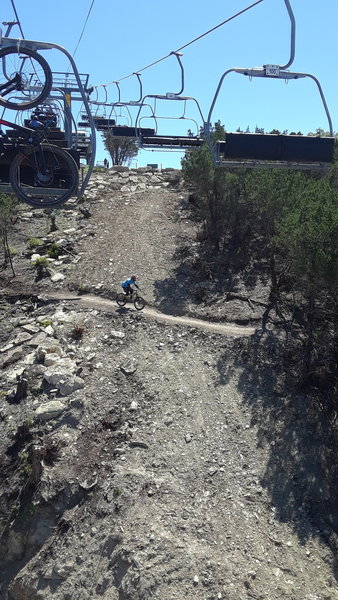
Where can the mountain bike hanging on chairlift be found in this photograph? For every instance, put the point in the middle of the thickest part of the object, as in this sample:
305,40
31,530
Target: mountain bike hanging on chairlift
25,77
40,173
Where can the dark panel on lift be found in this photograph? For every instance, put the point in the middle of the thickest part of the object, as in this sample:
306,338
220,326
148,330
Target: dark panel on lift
253,146
250,146
131,131
307,148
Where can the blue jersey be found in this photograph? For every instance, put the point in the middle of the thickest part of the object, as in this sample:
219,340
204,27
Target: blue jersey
35,124
127,282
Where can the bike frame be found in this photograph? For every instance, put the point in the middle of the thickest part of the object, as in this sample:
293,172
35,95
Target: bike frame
11,84
30,132
16,126
133,295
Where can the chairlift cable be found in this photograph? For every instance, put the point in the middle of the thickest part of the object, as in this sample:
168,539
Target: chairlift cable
219,25
82,32
84,27
185,45
22,33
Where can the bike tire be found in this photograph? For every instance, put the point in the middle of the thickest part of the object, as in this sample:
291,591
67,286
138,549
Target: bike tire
139,303
61,181
14,62
121,299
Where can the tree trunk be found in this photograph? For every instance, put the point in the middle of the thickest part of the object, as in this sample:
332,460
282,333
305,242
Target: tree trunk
8,257
21,389
309,341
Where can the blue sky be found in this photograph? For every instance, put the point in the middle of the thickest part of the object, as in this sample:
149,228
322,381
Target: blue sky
121,38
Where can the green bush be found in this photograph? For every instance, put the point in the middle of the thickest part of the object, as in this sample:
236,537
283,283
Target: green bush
54,250
33,242
41,264
83,288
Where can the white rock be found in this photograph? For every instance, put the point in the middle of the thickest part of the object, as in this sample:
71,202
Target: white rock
23,337
12,356
37,340
62,317
61,376
50,410
7,347
30,328
118,334
67,385
57,277
14,374
65,366
29,359
51,359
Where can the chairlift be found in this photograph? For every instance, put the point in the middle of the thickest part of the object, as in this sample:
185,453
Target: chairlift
257,150
121,129
129,130
154,140
151,139
73,87
104,122
99,117
130,102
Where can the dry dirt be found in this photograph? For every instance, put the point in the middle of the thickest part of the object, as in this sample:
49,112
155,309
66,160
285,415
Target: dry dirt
184,469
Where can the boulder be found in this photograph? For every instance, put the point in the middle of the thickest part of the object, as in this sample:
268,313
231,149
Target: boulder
61,376
12,356
50,410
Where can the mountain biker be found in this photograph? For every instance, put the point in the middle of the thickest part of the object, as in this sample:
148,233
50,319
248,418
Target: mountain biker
35,123
126,285
51,120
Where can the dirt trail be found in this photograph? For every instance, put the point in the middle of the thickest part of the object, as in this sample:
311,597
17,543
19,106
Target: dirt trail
110,306
97,302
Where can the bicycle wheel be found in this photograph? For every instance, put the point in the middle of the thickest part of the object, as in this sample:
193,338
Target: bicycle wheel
50,185
139,303
121,299
25,78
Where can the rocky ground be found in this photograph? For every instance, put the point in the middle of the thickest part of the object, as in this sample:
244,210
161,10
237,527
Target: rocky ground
154,454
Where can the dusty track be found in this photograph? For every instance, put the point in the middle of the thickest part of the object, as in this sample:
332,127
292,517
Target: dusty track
92,301
110,306
107,305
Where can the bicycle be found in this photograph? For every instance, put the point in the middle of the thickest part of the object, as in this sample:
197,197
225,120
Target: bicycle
40,173
134,297
25,78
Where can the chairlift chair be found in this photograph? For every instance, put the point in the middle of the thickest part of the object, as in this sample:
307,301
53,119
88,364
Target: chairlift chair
257,150
169,142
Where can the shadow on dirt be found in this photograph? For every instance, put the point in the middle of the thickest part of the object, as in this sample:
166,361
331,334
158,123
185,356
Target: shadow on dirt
203,275
302,471
125,310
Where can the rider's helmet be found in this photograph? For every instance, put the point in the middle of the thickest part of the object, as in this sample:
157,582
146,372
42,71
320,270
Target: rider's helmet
133,277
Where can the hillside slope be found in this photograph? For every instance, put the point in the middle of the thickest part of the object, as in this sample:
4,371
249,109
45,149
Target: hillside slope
152,457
